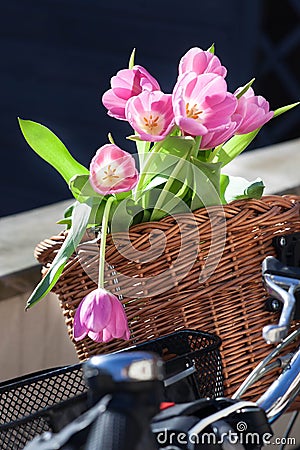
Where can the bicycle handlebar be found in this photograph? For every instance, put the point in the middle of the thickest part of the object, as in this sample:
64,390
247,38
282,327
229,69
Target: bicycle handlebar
283,391
123,426
281,282
135,382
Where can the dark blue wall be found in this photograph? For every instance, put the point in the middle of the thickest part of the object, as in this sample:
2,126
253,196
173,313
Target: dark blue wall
58,57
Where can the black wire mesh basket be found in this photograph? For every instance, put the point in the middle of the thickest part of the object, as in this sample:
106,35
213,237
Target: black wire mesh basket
193,364
50,399
38,402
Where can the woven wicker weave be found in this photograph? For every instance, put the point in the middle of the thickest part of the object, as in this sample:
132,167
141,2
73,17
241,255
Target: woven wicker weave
165,294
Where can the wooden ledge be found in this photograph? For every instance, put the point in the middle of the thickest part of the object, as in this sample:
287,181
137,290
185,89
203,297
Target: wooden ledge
20,233
277,165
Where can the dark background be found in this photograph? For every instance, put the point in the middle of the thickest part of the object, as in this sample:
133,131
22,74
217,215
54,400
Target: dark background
59,55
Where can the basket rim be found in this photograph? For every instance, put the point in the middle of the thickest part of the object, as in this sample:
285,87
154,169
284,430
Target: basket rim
217,341
55,241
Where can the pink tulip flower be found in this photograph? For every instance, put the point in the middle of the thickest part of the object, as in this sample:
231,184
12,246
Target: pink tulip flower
151,115
125,85
221,134
201,103
112,170
201,61
255,111
101,316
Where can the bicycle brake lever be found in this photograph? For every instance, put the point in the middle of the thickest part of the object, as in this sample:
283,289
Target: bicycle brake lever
281,283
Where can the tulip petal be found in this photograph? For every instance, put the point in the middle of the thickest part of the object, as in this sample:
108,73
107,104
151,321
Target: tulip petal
79,329
201,61
101,316
191,127
114,104
97,337
112,170
201,103
127,84
151,115
220,134
108,336
95,310
118,326
254,109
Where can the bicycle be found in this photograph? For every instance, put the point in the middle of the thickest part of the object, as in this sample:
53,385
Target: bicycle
125,392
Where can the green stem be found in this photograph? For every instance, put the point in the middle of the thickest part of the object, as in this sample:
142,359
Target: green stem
144,172
214,153
166,188
104,224
196,146
193,151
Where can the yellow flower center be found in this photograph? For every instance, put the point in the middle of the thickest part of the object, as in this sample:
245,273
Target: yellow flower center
192,111
151,122
110,174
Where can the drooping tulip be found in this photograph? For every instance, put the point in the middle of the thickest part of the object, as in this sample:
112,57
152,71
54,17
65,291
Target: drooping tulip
112,170
201,103
254,110
201,61
101,316
151,115
125,85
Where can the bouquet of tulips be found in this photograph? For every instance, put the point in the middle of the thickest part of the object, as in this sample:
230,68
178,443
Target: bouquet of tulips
183,139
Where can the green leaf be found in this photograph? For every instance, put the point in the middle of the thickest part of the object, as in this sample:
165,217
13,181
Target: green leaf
206,187
178,146
145,218
121,195
51,149
224,182
245,88
255,189
211,49
176,131
134,137
162,158
80,218
123,214
204,155
143,148
175,199
232,148
131,59
284,109
69,210
67,219
81,188
149,195
155,182
110,138
97,211
172,205
237,188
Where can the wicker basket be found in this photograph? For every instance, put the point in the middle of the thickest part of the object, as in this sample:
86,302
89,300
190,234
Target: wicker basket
162,292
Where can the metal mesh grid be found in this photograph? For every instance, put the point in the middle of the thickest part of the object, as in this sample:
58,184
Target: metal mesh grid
26,403
193,348
33,404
